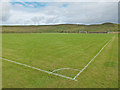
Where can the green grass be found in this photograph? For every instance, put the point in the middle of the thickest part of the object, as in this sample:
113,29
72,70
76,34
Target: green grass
0,60
54,51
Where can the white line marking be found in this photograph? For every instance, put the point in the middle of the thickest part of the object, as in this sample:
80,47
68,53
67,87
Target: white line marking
64,68
91,60
61,68
37,69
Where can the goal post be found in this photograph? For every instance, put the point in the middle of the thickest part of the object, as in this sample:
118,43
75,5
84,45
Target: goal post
83,32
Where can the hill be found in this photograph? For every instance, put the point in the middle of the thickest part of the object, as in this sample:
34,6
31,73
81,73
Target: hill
61,28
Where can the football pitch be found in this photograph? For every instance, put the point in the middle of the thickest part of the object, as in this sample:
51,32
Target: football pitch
37,60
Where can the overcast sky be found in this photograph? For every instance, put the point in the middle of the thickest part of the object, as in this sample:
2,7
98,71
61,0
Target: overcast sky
43,13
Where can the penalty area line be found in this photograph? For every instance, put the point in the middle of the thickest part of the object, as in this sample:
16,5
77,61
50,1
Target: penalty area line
92,59
38,69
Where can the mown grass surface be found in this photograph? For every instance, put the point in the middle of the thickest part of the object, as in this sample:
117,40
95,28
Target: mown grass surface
0,60
54,51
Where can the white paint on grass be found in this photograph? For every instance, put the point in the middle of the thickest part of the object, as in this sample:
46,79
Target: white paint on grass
64,68
37,68
80,71
91,60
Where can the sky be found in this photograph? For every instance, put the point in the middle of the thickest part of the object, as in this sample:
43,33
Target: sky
47,13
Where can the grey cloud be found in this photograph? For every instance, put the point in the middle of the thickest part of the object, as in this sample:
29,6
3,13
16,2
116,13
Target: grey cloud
86,13
92,13
5,11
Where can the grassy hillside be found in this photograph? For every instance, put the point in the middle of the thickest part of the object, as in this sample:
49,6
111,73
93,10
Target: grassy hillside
62,28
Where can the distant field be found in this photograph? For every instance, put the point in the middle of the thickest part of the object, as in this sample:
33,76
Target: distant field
63,28
54,51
